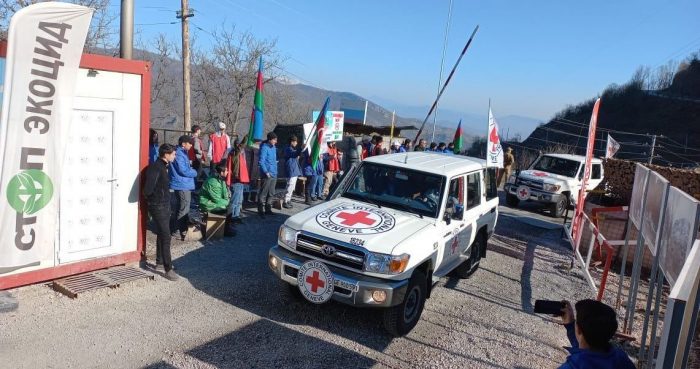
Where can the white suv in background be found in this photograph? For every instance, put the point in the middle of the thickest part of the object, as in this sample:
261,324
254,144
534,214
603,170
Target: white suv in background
552,180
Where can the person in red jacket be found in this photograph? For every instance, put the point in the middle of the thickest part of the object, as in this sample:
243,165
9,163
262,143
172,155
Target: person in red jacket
237,178
219,144
332,166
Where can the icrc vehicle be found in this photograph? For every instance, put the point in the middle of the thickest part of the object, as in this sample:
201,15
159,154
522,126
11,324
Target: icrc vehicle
552,180
392,228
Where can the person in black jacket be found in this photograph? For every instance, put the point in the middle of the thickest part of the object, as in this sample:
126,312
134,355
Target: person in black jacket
156,189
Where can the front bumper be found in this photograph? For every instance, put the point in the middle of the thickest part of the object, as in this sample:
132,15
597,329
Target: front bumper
535,195
289,263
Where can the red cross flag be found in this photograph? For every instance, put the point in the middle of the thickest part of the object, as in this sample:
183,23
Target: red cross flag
611,148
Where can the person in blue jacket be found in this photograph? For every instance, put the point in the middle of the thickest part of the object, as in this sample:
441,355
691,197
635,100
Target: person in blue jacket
450,148
314,178
268,173
182,177
590,334
153,147
292,170
407,146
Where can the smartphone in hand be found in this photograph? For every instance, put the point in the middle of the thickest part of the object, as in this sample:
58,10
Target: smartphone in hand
549,307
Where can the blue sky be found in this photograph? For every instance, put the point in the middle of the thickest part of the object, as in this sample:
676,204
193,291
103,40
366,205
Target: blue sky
530,57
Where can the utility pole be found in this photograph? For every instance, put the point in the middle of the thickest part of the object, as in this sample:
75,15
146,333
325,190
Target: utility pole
651,152
126,30
183,14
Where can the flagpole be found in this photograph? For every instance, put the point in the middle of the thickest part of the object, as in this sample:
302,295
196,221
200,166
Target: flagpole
488,127
449,78
393,115
442,64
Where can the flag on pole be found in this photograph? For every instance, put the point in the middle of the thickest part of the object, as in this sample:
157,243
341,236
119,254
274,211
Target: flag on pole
317,138
576,222
458,140
494,150
611,148
255,133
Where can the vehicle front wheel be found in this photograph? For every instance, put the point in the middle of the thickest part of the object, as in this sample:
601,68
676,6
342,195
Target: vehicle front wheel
512,200
558,208
402,318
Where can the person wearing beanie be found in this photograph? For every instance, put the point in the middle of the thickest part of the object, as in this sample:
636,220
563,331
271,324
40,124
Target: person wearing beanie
395,147
450,148
182,177
433,146
441,147
268,174
219,144
237,178
407,145
292,170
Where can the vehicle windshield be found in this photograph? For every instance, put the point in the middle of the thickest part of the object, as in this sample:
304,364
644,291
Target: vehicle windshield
554,165
401,189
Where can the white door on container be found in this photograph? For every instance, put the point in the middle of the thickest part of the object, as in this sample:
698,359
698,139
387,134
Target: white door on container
87,186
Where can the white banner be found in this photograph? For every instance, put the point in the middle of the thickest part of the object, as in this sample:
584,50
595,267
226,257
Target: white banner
335,124
611,148
45,44
494,150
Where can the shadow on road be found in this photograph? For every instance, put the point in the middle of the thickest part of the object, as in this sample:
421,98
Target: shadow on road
266,344
236,272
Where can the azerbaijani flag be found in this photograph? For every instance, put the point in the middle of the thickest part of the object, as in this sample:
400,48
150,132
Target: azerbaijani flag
458,140
317,138
255,133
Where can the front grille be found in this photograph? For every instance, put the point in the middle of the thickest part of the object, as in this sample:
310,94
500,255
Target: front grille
530,183
344,255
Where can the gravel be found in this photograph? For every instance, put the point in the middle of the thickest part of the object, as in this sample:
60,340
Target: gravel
230,311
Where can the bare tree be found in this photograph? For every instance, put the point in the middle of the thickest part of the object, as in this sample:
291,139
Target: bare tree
161,52
100,39
226,75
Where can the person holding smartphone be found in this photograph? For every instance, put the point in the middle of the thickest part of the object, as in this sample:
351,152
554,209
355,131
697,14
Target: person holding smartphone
589,334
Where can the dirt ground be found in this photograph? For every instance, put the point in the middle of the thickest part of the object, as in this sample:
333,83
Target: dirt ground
230,311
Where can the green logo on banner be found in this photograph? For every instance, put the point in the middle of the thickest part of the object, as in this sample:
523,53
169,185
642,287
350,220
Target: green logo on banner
29,191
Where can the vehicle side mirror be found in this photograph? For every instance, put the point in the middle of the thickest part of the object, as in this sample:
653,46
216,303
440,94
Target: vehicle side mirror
447,218
457,210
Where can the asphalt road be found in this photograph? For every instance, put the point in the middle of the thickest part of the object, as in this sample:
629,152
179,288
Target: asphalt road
229,311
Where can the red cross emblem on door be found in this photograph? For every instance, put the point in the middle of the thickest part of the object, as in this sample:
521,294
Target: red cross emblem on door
361,217
455,244
315,281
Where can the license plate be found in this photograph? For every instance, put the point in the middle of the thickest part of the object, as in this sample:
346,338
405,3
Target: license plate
346,285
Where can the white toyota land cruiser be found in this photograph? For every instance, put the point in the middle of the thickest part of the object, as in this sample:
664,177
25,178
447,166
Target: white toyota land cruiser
394,225
552,180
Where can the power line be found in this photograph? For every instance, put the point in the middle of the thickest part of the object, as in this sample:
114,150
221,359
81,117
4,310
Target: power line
155,24
677,155
680,145
276,67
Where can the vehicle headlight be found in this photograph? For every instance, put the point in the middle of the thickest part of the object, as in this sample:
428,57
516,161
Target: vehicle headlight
287,236
386,264
511,179
551,187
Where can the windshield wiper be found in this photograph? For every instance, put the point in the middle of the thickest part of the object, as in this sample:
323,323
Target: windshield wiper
410,210
363,198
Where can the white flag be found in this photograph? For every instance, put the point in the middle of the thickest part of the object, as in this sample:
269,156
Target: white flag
611,148
45,44
494,150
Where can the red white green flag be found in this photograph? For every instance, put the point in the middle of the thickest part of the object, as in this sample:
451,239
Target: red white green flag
459,139
316,139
